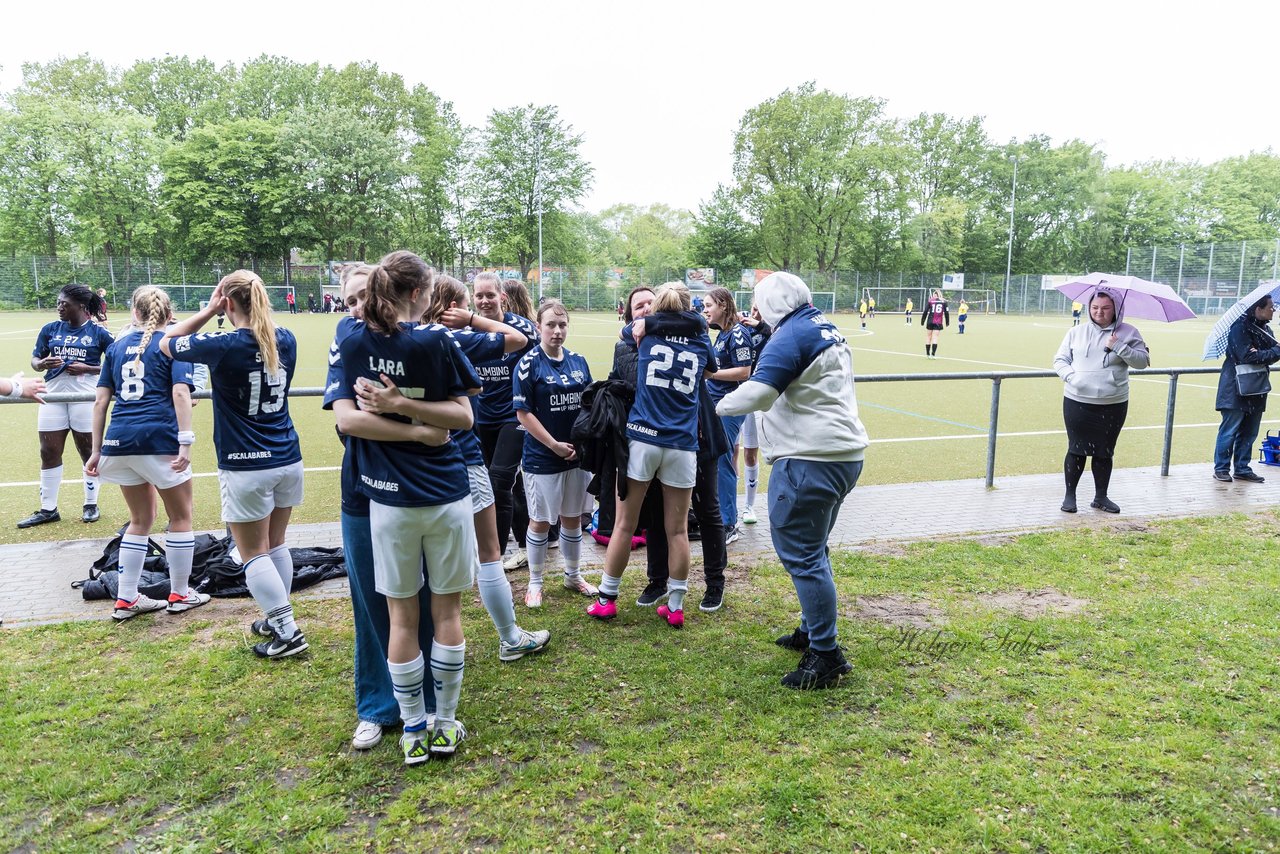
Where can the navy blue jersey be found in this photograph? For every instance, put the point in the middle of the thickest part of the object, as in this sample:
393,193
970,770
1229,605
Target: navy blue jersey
478,347
251,425
143,420
797,341
353,501
733,350
667,384
493,405
552,391
427,365
85,343
759,337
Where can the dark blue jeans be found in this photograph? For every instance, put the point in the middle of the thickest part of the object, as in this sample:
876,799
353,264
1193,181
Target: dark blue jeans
804,502
728,472
1236,435
374,701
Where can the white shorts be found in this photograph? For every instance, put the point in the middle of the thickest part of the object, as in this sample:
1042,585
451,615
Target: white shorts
405,539
551,496
481,488
63,416
749,437
137,469
248,496
675,468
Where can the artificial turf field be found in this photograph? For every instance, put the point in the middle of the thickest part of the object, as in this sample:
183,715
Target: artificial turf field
920,430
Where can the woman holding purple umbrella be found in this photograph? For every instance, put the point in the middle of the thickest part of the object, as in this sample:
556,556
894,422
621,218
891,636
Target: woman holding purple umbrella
1094,362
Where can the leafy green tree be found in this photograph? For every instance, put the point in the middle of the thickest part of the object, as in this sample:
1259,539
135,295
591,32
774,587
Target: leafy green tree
177,92
721,237
230,193
1242,198
805,162
34,212
530,159
653,237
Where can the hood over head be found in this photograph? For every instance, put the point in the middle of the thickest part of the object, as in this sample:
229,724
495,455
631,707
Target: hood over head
779,294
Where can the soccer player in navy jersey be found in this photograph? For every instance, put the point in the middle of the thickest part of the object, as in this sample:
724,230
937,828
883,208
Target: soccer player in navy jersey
663,443
480,339
760,333
69,350
147,445
419,496
501,440
813,437
734,355
376,705
547,394
259,458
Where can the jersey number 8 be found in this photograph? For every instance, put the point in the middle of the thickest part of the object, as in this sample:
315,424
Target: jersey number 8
663,358
131,374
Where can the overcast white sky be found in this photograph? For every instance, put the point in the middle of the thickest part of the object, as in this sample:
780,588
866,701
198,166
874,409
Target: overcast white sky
658,87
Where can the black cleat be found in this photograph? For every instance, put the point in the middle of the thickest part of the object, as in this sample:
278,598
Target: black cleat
41,517
818,670
278,648
91,513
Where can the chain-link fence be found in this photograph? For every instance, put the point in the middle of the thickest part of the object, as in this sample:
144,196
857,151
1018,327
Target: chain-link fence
1209,276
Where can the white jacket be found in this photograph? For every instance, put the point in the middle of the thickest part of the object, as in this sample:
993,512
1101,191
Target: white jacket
1091,374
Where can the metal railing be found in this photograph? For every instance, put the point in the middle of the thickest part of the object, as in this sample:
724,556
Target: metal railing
994,377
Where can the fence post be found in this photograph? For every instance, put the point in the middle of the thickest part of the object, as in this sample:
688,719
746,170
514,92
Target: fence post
991,432
1208,277
1168,425
1182,251
1128,254
1244,247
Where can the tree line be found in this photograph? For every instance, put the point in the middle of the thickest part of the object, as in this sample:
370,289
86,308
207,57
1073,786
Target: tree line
183,159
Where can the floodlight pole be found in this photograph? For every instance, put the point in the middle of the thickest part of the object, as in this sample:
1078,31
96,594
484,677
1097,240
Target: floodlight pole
537,191
1013,200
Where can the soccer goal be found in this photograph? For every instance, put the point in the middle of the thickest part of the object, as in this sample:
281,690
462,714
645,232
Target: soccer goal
825,301
744,300
195,297
981,301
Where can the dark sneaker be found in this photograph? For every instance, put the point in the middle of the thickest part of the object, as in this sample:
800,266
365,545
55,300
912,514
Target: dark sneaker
91,513
279,648
712,599
1106,505
41,517
797,640
654,592
262,629
1223,476
1250,476
1069,504
818,670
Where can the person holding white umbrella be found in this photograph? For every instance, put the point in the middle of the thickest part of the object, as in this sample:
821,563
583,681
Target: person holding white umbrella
1242,390
1094,362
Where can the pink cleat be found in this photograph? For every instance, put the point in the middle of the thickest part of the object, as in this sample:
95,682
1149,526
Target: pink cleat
606,610
675,619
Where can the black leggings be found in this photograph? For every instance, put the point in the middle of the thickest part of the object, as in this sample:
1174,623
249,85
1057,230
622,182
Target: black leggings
502,446
1073,468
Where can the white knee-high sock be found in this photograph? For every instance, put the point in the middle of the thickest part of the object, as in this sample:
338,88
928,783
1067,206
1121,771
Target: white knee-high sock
50,480
609,587
675,593
536,549
179,549
495,593
571,550
446,670
264,583
133,552
406,685
90,490
753,479
283,560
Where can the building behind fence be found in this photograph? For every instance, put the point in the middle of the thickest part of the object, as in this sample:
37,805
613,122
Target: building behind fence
1210,277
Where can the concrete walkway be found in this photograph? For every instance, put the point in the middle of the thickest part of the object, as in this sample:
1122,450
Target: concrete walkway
38,576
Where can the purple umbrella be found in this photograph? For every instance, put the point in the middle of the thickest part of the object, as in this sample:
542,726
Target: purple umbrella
1137,297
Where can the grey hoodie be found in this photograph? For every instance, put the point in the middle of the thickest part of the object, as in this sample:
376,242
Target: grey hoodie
1093,375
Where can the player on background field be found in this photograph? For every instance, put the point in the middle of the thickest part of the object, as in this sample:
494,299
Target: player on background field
933,319
419,496
259,458
69,350
147,445
547,394
910,307
964,315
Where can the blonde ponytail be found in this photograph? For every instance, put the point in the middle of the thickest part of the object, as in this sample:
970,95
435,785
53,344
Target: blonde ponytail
250,296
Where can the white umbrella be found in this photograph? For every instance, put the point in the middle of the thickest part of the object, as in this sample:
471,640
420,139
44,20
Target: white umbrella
1215,344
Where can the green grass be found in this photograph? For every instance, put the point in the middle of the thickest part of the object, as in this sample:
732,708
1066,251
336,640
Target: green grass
1146,721
905,420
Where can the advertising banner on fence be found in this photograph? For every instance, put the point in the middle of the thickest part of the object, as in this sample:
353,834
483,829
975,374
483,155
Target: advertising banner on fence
953,281
751,278
1050,283
700,278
